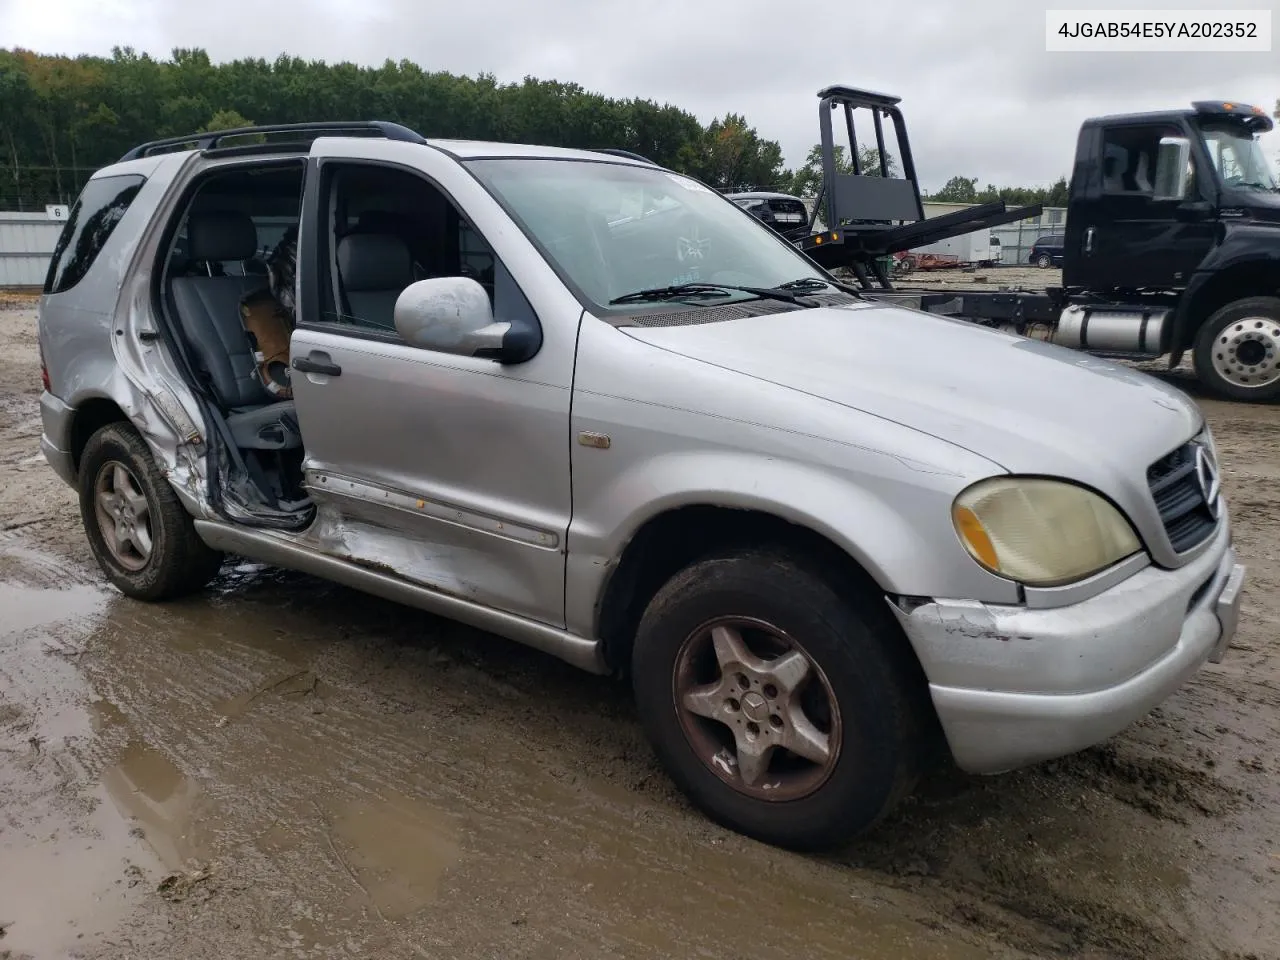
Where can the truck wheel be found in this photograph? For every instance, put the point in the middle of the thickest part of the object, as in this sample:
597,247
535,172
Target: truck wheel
782,710
1044,261
1237,351
138,530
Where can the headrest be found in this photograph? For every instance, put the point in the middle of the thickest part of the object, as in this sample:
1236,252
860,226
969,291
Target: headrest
221,235
374,261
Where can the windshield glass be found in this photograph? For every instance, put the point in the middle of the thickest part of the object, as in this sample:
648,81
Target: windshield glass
613,229
1238,157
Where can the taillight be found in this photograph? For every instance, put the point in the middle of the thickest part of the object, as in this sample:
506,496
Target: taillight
44,370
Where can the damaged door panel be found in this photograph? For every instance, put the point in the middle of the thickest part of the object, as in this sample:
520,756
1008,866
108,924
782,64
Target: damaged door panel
452,470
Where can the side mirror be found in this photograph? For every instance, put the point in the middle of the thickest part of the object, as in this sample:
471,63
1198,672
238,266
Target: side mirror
1173,169
450,315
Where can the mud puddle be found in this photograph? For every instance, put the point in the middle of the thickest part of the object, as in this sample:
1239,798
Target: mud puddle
280,787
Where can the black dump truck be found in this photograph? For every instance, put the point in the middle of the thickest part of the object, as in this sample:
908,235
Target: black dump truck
1172,238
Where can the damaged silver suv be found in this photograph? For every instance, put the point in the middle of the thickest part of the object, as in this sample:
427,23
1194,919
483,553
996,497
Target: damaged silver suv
591,405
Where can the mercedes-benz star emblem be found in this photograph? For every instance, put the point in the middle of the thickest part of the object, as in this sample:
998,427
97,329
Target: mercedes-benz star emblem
1207,475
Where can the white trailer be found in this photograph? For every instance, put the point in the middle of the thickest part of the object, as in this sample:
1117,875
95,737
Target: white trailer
979,247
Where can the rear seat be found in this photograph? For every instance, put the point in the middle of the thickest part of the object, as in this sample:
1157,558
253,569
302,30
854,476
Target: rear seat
208,309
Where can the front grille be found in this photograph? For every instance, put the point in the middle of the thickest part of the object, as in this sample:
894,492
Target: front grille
1180,497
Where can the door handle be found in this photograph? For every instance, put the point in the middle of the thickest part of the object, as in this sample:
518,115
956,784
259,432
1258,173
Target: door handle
309,365
1088,240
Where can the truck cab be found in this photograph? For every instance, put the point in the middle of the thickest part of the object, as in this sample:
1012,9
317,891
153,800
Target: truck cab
1181,209
1150,191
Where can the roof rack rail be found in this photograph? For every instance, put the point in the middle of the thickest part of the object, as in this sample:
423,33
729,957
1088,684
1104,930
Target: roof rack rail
210,140
623,153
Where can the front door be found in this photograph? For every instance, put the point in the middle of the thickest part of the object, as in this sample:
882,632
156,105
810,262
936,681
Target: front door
450,471
1130,239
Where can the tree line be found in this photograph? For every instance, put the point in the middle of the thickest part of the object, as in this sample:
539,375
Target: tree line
63,117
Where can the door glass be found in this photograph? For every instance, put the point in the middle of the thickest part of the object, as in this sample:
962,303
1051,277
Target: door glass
391,228
1129,156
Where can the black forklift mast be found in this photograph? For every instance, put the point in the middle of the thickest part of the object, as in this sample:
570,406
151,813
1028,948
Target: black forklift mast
870,217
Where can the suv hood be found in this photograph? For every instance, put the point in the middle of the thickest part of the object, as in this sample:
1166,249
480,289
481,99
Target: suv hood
1026,405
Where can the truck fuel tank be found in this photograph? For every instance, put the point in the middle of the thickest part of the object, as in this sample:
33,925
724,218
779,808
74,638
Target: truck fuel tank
1112,329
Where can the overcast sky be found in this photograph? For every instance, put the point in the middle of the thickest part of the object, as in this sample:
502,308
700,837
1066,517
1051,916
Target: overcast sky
981,96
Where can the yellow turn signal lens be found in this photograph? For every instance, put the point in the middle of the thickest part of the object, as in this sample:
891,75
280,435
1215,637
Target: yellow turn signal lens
975,537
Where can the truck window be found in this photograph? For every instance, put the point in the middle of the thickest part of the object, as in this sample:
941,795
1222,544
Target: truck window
1129,158
92,220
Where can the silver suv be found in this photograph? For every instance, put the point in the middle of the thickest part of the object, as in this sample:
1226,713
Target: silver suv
589,404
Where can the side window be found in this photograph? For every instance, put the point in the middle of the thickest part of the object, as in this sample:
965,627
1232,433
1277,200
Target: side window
477,260
1129,157
389,228
92,220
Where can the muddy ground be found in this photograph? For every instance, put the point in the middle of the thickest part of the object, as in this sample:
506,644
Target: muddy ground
284,768
985,278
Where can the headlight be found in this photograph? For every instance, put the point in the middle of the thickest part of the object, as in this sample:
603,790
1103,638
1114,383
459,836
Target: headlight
1042,533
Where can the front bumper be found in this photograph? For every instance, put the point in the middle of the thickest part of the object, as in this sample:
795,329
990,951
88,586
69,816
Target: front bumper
55,440
1013,686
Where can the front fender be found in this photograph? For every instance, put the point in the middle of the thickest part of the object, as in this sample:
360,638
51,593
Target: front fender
896,523
1252,247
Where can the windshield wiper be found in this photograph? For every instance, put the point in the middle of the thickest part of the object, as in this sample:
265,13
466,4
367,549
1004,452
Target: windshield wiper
813,283
804,283
681,290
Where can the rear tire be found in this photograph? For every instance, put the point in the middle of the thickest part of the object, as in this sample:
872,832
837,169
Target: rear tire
1237,350
1044,261
875,727
142,537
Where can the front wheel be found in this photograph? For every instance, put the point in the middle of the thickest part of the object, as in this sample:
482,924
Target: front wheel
139,532
1237,350
782,710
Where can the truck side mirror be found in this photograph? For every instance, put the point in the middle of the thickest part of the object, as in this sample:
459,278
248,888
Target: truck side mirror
1173,169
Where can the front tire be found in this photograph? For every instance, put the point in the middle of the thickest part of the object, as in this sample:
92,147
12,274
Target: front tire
782,710
1237,350
140,534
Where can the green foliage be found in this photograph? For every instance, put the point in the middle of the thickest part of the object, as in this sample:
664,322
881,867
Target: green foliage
63,117
806,181
965,190
225,120
958,190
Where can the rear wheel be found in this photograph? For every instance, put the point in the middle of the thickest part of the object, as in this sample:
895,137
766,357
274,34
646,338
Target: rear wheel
138,530
1044,261
782,710
1237,350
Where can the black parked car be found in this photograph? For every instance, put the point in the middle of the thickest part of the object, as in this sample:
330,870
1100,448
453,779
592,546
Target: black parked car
1047,251
785,213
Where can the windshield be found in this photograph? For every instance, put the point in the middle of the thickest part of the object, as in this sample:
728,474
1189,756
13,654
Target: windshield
614,229
1238,158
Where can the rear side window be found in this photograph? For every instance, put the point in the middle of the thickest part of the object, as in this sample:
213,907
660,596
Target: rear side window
93,219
